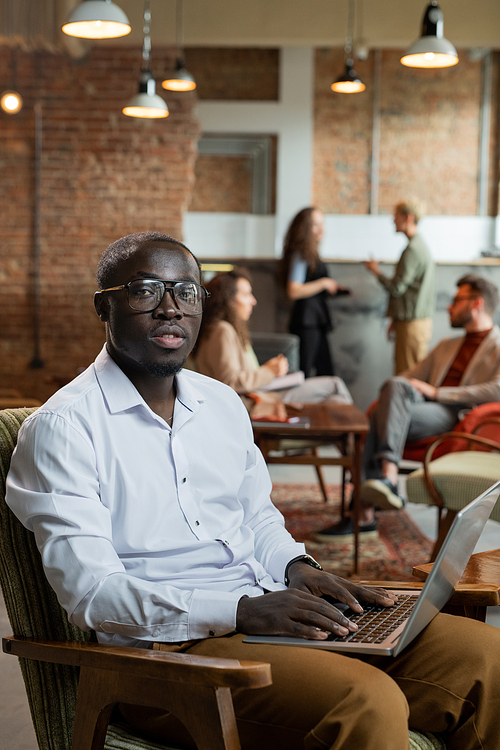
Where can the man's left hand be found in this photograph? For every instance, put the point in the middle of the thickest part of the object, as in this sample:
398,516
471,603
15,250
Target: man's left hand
427,390
320,583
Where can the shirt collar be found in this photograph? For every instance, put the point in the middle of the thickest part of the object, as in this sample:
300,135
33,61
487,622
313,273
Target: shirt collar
121,394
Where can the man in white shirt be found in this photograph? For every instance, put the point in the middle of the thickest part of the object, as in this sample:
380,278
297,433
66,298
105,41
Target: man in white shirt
150,506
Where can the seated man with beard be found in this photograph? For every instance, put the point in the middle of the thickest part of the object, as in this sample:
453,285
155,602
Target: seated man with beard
426,400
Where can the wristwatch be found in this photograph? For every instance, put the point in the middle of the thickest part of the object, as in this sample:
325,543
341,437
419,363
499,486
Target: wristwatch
305,558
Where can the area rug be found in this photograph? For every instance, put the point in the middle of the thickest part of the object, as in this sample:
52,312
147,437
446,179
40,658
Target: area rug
400,544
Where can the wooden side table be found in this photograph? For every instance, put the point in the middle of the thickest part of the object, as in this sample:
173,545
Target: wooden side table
479,586
329,422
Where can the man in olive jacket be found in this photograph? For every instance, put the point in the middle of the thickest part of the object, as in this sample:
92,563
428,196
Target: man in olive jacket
411,290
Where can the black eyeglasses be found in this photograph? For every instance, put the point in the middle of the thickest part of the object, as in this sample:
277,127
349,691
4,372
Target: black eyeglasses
145,295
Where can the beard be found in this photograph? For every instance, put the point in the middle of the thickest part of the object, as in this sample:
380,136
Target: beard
163,369
460,321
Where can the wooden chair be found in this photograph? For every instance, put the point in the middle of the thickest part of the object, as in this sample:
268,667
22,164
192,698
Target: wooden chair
452,480
73,683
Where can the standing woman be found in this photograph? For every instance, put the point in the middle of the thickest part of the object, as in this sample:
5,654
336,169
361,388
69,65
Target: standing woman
305,279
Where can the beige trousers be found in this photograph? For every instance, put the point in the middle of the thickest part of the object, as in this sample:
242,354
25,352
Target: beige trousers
447,681
411,342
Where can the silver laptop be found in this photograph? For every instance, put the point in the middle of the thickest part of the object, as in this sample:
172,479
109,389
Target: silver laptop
388,630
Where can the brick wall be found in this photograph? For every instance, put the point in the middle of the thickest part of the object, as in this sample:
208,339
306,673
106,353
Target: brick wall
429,136
250,74
103,175
223,183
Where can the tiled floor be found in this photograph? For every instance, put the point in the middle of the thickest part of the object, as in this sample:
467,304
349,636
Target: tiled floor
16,729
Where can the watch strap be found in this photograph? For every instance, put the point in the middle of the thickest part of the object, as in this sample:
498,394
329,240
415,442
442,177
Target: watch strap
304,558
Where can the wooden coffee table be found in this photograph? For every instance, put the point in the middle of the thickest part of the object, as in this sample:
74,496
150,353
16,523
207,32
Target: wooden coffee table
479,586
330,422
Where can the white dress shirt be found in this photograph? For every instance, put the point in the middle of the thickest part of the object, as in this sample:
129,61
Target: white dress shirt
146,533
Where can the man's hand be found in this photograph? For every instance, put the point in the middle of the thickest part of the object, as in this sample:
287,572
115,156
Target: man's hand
427,390
373,267
300,612
318,582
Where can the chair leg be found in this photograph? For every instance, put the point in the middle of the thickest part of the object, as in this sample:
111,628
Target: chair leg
342,496
206,711
321,480
444,526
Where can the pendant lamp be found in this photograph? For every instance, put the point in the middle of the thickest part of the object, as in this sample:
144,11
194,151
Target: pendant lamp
146,103
179,79
11,100
97,19
349,82
431,50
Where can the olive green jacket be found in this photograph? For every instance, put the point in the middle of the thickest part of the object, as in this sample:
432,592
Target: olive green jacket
412,288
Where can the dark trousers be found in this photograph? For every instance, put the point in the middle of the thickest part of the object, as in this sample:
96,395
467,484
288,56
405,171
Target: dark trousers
315,357
402,414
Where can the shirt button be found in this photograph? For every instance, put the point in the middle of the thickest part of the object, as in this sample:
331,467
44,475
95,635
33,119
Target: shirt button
211,632
196,523
156,632
184,480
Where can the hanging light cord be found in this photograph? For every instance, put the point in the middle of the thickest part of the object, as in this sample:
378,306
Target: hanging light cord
13,68
350,30
146,29
179,23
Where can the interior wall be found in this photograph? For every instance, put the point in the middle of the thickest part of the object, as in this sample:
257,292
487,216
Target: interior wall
429,136
431,125
102,175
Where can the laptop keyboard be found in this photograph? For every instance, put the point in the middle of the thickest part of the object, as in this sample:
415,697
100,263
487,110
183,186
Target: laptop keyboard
376,622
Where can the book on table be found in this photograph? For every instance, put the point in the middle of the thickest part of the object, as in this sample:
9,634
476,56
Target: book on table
290,380
275,421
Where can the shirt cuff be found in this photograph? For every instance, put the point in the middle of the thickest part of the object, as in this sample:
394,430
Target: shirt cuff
282,557
212,613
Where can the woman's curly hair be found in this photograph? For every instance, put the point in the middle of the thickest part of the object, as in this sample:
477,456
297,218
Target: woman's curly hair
223,289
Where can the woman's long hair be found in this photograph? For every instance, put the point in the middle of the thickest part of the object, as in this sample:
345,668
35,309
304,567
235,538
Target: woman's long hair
223,289
299,239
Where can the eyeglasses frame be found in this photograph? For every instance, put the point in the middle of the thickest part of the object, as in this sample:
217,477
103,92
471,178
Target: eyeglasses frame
165,290
456,300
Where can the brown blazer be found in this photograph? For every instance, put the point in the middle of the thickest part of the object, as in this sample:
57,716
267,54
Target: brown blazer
480,382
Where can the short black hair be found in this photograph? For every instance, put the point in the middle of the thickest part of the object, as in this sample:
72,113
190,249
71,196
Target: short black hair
482,288
123,248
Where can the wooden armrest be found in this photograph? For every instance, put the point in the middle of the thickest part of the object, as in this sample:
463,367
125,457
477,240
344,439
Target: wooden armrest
144,663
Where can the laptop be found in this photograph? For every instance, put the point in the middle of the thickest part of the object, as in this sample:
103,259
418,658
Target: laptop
386,631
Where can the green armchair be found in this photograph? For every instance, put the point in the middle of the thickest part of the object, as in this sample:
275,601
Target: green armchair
73,683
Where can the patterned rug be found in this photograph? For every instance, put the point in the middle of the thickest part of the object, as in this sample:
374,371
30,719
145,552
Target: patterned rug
399,547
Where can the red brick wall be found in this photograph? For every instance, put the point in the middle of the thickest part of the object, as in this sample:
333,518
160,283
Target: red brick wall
223,183
103,175
229,73
429,136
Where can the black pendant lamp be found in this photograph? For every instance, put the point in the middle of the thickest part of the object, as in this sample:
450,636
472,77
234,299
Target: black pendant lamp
179,79
349,82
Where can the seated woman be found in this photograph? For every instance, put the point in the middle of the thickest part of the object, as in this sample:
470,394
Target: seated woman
224,351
